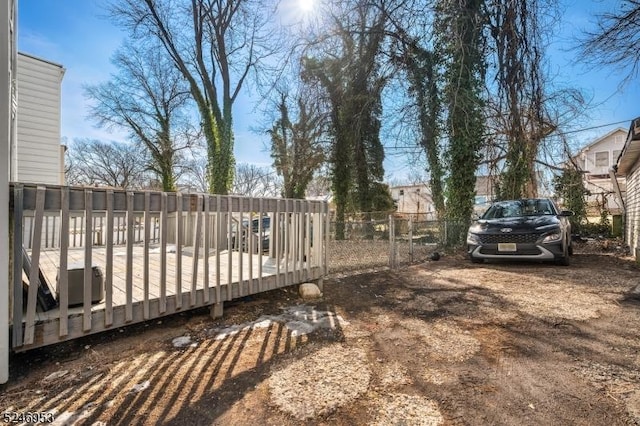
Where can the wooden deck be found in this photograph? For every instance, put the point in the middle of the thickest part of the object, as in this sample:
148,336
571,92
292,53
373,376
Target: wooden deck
262,266
159,253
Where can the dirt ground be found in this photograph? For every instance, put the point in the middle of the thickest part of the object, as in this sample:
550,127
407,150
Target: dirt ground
442,342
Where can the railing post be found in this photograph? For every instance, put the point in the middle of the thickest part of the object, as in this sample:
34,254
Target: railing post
411,238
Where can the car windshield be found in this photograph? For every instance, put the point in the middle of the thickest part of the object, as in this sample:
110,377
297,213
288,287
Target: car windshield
519,208
266,222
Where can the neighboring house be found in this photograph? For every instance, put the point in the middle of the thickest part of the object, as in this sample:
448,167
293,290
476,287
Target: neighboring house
414,201
595,160
628,168
325,197
485,193
37,155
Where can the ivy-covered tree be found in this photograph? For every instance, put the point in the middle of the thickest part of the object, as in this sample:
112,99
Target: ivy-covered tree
517,38
296,147
569,186
346,66
459,33
421,67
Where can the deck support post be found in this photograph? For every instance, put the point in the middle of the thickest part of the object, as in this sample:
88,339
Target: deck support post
216,310
320,284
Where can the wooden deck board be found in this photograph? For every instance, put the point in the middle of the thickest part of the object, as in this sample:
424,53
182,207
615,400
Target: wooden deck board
50,261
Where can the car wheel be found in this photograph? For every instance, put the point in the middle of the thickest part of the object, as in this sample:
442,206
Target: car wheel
570,249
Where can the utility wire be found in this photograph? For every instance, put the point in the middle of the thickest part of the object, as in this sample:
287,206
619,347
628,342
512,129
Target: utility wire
411,148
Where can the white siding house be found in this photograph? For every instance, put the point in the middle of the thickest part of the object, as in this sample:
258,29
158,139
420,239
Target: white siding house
414,200
485,193
38,156
628,165
595,160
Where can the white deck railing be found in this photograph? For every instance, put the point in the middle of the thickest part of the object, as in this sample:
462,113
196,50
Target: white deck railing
159,253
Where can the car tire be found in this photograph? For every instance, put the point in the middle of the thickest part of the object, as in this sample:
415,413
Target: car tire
476,260
570,249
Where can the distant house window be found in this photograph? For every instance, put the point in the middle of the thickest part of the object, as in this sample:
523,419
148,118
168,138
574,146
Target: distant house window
418,190
402,192
616,154
602,159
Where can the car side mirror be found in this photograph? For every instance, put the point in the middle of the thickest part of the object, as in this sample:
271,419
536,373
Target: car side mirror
566,213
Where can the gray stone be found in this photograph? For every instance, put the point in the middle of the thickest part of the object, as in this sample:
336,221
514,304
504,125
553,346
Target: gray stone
310,291
181,342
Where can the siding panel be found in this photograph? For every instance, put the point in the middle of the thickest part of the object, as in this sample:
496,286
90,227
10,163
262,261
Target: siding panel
633,210
38,123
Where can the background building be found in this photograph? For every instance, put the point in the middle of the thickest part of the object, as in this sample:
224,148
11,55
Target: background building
595,160
414,201
37,155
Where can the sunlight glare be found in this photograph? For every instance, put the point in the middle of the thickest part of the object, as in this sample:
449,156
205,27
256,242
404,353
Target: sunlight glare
306,5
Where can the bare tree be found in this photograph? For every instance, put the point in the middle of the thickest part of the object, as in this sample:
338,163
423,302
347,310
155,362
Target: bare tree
255,181
147,98
296,147
615,40
95,163
195,176
320,184
214,44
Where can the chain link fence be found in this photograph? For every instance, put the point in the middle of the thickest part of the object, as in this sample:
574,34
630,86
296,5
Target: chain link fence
357,245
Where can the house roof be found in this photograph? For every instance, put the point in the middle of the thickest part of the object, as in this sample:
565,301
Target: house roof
484,185
631,150
418,185
37,58
600,139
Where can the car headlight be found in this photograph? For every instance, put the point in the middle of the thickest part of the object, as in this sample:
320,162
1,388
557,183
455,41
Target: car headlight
552,237
476,227
473,238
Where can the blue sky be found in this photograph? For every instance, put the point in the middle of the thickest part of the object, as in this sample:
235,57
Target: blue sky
75,34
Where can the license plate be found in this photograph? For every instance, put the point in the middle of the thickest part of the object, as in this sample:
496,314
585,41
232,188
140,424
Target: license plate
507,247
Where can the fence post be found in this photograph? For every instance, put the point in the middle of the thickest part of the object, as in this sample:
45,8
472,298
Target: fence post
446,237
392,240
411,238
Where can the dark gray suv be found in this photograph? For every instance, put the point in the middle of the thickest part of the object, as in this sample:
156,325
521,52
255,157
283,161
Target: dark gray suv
527,229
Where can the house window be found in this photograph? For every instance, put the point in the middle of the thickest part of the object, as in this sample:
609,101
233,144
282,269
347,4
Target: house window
480,199
418,190
602,159
616,154
402,192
